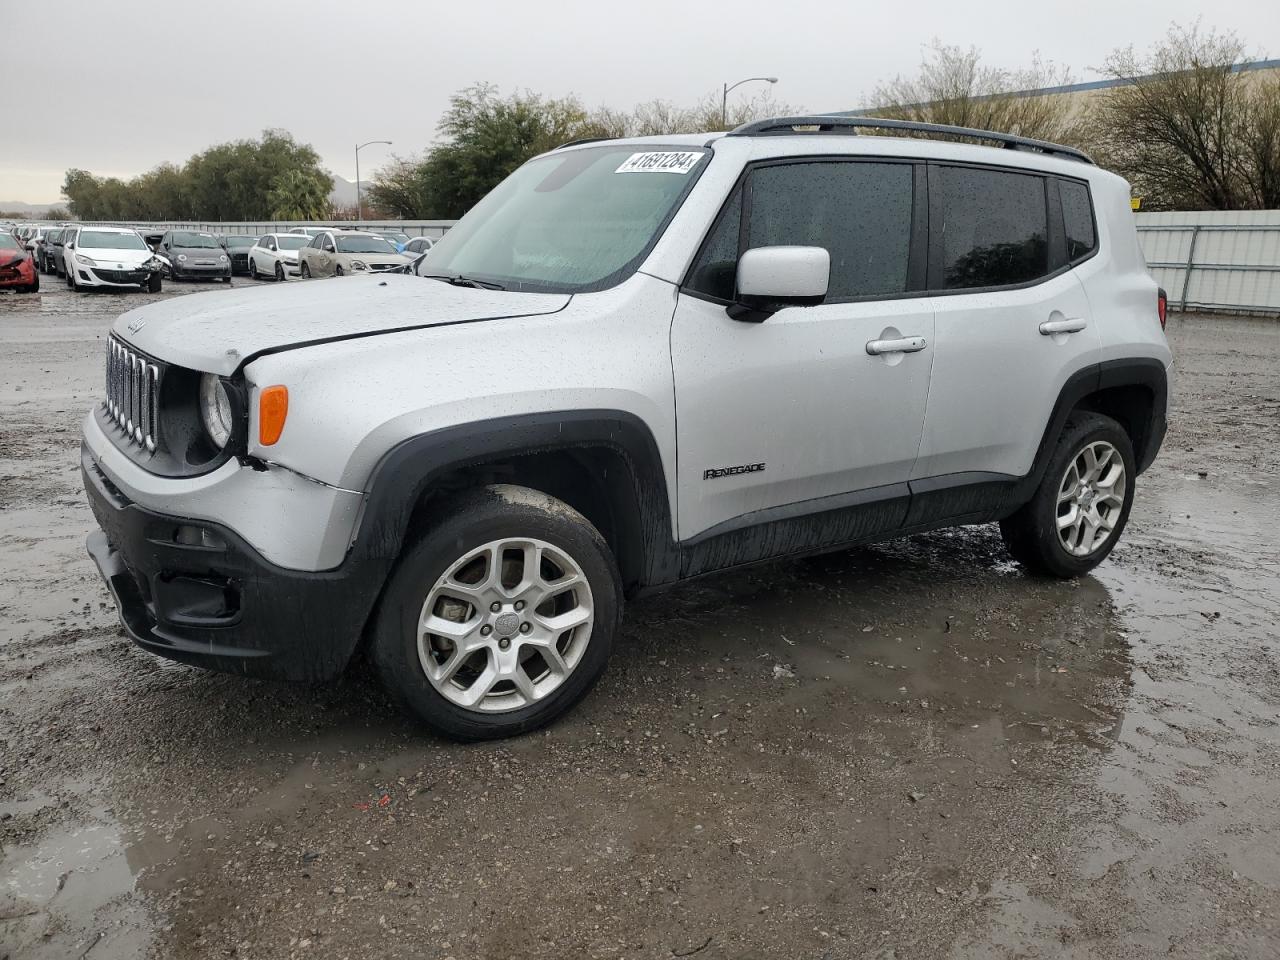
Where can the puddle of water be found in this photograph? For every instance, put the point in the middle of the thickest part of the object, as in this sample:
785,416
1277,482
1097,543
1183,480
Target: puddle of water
71,893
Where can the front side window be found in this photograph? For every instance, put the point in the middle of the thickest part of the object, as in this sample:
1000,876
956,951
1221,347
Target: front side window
859,212
994,227
1077,219
572,221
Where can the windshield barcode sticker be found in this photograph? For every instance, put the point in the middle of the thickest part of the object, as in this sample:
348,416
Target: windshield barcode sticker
664,162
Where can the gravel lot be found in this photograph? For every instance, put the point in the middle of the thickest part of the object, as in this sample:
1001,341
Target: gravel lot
909,751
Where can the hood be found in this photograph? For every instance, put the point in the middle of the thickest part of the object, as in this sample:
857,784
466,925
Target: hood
204,253
10,257
109,257
216,332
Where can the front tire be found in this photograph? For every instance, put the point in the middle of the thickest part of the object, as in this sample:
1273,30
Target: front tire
306,271
1082,504
337,271
279,272
154,283
501,617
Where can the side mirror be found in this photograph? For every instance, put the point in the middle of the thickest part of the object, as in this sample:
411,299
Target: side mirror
770,278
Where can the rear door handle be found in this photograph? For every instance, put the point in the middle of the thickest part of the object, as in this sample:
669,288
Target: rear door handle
901,345
1073,325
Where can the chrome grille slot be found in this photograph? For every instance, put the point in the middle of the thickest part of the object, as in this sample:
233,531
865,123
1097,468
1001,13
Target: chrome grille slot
133,393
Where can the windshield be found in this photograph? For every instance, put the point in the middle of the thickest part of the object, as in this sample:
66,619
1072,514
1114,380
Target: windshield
203,241
7,242
241,243
364,245
393,236
98,240
294,242
570,222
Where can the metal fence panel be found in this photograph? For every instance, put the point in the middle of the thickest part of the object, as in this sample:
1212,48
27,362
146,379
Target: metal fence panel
1215,260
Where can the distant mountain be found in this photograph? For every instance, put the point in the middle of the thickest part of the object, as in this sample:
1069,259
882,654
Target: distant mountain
40,209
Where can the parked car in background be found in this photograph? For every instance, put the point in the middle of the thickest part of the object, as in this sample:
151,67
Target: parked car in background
238,247
114,257
397,238
51,262
417,246
17,267
276,255
195,255
59,253
338,253
41,244
310,231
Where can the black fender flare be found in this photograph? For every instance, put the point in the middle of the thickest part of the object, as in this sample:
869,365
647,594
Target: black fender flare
407,471
1145,372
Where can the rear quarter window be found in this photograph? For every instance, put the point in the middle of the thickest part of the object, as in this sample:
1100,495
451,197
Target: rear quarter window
1077,219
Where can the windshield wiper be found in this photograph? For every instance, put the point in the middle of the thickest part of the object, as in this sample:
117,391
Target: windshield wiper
458,280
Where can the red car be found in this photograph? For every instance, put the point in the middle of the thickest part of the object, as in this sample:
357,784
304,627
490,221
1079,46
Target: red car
17,269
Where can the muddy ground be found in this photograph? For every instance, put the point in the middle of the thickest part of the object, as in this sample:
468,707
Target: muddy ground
909,751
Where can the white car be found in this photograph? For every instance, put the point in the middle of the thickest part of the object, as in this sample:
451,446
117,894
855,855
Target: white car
113,257
634,362
417,246
276,255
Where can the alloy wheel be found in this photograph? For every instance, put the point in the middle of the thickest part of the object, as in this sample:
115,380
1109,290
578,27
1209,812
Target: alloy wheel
505,625
1091,498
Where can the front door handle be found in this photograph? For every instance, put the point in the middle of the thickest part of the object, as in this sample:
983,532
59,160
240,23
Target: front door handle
901,345
1073,325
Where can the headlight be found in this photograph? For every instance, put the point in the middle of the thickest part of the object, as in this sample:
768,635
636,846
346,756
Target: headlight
182,258
81,258
359,265
223,258
215,409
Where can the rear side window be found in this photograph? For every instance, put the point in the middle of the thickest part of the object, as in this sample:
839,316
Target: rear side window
994,229
1077,219
858,212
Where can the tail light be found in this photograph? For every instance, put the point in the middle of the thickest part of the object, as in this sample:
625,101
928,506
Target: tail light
1162,307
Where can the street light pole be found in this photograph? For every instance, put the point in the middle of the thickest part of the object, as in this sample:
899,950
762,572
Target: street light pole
724,99
359,147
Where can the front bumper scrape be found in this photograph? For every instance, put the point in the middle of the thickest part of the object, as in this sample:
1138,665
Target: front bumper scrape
196,592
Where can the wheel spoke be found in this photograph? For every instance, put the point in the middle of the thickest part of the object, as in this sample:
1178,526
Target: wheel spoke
480,687
431,623
564,621
523,683
1070,518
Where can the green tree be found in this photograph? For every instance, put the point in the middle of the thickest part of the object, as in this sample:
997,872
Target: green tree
300,195
401,189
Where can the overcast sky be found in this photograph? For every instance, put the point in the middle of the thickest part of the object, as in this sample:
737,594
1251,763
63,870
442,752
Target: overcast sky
118,88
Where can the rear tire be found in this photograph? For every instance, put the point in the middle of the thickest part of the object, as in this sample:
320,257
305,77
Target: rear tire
462,575
1077,514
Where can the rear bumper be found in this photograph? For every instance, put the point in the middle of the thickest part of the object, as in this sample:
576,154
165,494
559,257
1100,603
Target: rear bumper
206,597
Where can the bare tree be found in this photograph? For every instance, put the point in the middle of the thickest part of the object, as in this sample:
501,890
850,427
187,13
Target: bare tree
657,117
1187,129
954,87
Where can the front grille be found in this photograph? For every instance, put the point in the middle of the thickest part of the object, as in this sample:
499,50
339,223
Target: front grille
133,393
120,276
383,266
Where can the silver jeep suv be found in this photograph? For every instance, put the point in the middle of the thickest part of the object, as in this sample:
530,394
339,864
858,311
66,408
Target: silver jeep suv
634,362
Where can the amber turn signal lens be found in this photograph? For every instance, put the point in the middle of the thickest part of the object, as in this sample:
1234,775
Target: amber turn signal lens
273,407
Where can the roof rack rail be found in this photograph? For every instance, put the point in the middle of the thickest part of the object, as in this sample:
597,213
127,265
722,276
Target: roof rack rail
782,126
578,143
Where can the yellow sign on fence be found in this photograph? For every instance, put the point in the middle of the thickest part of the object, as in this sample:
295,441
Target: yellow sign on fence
1135,203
